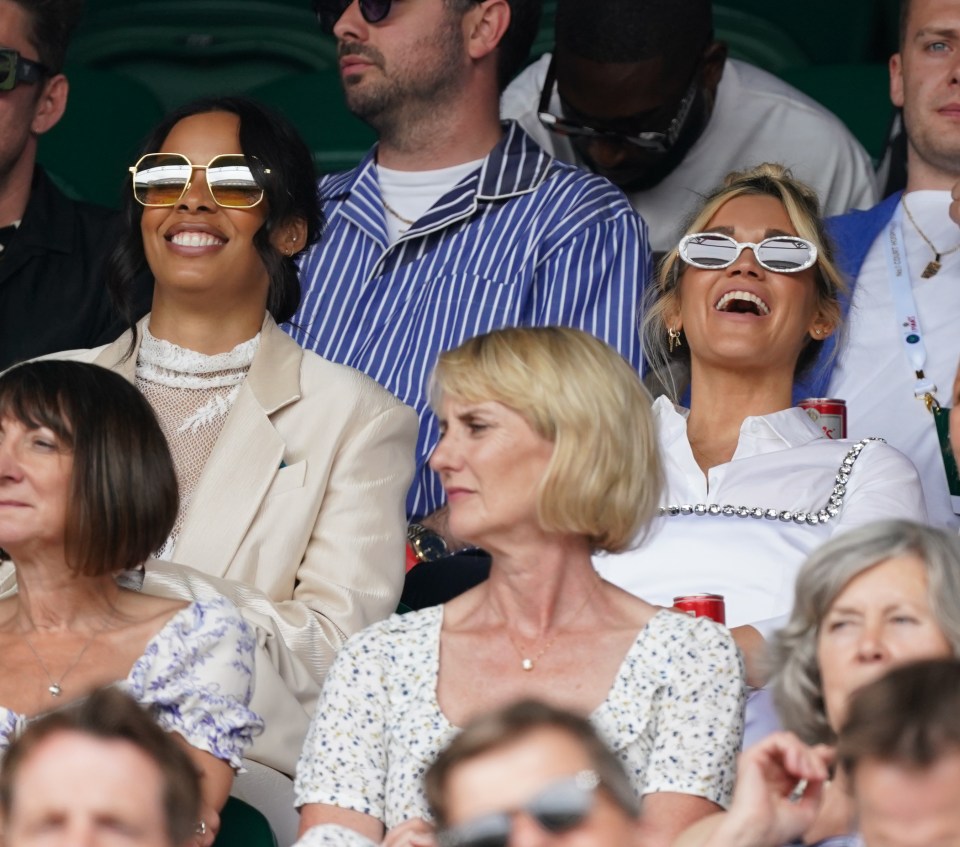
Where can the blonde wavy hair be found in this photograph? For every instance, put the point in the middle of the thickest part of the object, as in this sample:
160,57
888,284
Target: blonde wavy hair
802,207
604,478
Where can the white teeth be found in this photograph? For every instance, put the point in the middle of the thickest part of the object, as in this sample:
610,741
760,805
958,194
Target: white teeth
730,296
196,239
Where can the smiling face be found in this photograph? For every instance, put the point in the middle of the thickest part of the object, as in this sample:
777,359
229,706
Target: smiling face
196,248
491,463
925,82
881,618
745,316
35,473
75,789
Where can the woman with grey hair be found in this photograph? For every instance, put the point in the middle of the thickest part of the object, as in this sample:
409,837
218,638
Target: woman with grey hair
878,596
810,686
882,595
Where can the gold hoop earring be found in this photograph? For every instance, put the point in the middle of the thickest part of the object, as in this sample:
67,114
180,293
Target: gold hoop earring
673,336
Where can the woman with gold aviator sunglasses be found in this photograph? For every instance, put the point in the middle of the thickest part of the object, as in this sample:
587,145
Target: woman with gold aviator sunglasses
292,470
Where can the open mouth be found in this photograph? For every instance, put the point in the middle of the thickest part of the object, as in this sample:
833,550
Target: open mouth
742,302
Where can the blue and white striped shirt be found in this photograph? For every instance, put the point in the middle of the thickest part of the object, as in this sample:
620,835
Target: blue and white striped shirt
523,241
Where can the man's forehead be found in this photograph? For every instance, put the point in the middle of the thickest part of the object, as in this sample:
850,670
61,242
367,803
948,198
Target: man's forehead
14,27
932,17
612,90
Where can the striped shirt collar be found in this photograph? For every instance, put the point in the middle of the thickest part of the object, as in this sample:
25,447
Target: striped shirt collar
515,166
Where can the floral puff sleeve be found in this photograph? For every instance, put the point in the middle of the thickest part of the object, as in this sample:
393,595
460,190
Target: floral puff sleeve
344,760
196,677
699,725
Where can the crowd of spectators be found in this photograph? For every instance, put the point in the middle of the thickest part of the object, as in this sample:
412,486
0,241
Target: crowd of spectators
348,496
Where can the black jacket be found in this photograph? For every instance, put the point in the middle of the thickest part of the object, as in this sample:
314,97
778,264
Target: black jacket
52,294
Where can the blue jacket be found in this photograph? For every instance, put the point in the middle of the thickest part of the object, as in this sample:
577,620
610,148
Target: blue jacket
853,234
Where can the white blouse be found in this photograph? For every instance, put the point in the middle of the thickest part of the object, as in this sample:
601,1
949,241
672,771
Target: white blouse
782,462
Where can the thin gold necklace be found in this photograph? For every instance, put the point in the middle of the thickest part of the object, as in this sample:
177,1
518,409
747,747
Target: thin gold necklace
526,662
396,214
933,266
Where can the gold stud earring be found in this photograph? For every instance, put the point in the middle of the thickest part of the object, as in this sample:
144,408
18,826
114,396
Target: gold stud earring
673,334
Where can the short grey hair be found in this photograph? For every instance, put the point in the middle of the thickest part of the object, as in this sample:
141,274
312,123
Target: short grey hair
796,683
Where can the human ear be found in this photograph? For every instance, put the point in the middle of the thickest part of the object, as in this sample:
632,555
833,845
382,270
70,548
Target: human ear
51,104
896,80
486,25
290,237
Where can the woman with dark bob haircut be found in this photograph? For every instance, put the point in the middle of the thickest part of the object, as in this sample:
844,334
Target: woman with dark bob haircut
292,471
88,491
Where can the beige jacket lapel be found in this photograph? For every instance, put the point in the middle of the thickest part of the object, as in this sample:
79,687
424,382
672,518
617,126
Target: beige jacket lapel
247,454
244,460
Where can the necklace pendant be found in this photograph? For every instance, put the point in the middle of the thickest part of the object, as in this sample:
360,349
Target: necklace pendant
55,689
527,664
933,266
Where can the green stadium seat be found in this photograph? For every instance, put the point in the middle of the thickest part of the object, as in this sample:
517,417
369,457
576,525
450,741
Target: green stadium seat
858,94
828,31
89,150
241,825
756,40
182,49
314,103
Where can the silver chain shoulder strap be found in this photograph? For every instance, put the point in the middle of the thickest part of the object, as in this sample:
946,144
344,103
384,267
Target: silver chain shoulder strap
812,517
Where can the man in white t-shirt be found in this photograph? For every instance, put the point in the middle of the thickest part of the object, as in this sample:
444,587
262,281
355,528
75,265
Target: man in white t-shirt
642,94
896,330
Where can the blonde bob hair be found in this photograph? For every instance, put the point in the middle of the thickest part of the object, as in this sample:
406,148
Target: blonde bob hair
802,207
604,477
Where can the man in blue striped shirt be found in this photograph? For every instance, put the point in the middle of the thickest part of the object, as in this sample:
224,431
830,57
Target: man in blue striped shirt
455,224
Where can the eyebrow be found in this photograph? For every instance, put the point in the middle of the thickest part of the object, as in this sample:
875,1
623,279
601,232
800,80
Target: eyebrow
850,610
770,233
942,32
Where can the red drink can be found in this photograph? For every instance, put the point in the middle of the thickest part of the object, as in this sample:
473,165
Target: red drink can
828,413
702,606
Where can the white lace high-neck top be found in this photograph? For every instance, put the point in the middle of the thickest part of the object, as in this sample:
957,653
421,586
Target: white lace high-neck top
192,394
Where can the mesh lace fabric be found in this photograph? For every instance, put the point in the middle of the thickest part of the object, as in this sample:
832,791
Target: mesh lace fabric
192,394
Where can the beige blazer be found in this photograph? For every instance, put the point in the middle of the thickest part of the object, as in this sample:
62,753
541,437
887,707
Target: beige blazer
298,516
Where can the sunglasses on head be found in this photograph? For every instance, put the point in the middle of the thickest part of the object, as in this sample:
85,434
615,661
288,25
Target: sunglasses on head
15,69
559,808
785,254
653,142
162,179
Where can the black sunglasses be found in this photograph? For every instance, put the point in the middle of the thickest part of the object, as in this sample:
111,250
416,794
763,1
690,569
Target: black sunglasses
655,142
329,11
15,69
559,808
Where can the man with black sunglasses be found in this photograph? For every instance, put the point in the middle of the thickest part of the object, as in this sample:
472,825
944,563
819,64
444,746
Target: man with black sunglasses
52,297
642,93
455,223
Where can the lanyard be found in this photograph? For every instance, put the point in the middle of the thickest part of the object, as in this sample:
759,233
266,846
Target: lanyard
905,309
911,337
